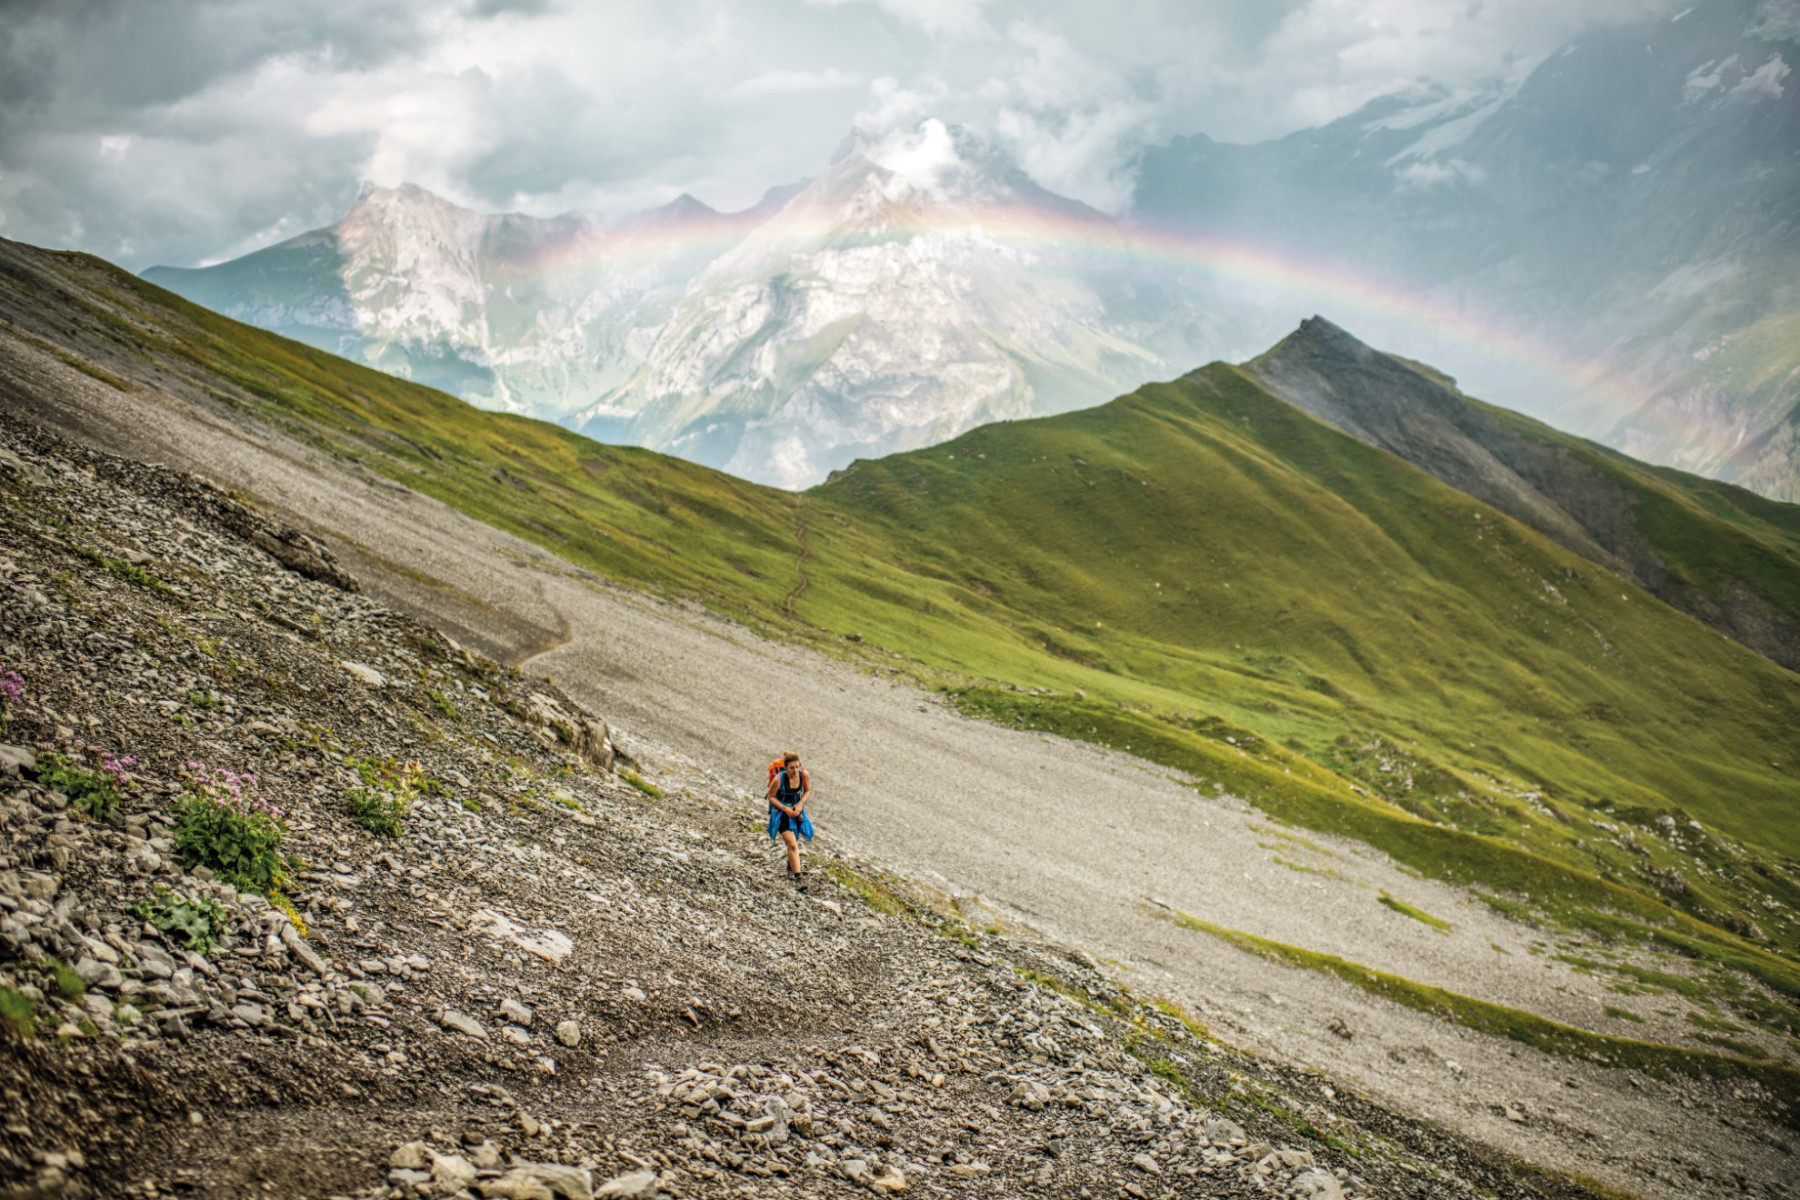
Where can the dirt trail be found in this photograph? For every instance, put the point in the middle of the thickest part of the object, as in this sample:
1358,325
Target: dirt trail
787,605
1058,836
565,633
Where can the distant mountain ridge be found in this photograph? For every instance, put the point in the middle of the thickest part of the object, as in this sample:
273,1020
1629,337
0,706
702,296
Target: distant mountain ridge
510,312
878,307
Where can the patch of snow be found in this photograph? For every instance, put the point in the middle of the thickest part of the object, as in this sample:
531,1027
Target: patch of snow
1417,114
1684,12
603,410
1424,175
1705,78
1765,82
1450,134
1777,21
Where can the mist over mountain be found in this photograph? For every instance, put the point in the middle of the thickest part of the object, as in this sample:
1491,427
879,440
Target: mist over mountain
1609,244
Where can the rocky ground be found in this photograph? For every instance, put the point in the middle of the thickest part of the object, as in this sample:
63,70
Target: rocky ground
522,972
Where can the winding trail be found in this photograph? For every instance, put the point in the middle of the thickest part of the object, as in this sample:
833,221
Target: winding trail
565,633
787,605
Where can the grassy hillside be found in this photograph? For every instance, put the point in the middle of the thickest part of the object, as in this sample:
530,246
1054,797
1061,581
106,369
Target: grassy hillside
1197,571
1205,562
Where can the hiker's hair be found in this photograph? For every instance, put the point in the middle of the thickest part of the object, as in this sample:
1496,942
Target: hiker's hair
788,756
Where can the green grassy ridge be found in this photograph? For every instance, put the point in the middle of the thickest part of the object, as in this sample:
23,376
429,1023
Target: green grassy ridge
1700,542
1405,599
1653,1058
1313,590
1416,914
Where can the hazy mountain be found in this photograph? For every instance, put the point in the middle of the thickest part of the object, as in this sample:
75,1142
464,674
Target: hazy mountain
508,311
889,305
909,293
1634,203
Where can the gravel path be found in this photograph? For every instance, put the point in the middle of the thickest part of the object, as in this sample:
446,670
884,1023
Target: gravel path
1059,837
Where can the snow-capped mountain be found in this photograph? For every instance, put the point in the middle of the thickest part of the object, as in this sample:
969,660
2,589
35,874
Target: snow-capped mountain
921,285
911,291
1632,207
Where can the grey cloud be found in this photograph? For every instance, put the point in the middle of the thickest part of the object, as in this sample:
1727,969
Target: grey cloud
176,130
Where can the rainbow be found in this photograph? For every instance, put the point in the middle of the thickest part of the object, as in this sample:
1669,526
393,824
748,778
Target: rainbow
1417,324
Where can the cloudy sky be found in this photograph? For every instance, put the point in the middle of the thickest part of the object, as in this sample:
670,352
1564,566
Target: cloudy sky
185,131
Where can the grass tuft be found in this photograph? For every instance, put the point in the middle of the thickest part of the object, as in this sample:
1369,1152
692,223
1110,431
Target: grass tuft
1417,914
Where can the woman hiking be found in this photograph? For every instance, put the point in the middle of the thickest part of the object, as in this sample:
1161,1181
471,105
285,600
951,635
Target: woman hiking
789,788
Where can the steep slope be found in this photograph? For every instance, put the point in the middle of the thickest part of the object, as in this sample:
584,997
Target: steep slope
1629,203
525,934
1712,550
885,307
1240,591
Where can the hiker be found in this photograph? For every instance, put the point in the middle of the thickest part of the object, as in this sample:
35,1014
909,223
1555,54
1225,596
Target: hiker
789,788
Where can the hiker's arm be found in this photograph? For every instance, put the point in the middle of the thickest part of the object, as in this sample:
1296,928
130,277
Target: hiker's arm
805,794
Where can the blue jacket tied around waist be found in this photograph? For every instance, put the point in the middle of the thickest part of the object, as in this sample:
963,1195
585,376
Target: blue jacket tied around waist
790,797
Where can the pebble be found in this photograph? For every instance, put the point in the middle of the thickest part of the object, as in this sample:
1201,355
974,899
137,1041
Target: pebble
462,1023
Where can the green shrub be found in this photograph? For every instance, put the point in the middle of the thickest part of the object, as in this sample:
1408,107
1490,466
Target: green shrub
640,783
379,812
223,823
196,922
94,785
17,1010
380,805
67,983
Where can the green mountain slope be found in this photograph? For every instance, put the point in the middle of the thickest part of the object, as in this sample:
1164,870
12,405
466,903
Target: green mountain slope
1198,571
1713,550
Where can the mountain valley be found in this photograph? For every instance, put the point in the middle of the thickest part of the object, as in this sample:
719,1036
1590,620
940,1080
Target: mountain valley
1441,748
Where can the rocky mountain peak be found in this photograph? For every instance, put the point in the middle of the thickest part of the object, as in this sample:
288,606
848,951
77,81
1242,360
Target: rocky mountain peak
1319,338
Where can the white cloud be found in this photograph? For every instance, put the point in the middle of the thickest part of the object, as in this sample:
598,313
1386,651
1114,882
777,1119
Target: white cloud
788,82
892,107
957,18
227,122
920,157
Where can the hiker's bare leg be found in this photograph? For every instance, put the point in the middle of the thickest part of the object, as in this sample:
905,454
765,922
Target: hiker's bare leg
793,851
